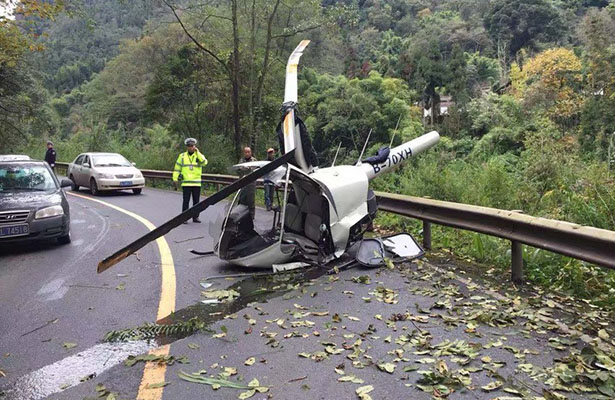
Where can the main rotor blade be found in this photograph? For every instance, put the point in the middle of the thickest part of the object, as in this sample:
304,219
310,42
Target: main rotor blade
186,215
290,87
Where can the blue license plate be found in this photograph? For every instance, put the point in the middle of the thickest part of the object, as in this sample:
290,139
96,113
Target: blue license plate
126,183
14,230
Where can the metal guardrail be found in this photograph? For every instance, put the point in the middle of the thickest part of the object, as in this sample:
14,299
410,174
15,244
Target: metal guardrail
593,245
157,174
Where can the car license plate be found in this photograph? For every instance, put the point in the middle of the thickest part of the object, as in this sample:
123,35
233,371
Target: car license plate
14,230
126,183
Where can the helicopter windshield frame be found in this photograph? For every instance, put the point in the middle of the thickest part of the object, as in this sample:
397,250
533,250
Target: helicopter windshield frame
239,237
300,225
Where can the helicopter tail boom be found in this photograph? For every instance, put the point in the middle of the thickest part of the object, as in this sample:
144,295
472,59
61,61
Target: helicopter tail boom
400,154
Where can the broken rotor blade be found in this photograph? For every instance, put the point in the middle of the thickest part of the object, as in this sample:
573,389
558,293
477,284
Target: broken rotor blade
189,213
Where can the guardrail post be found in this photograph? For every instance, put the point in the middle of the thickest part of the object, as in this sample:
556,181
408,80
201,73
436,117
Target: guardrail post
427,235
517,261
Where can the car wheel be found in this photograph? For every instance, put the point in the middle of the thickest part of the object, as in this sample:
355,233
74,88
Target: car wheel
64,239
94,187
137,191
74,187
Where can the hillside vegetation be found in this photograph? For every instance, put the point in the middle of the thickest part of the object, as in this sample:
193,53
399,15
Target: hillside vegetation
529,84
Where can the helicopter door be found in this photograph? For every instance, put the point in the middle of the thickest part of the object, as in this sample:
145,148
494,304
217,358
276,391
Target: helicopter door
306,218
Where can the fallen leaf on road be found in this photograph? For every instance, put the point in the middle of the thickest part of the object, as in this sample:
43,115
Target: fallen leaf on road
214,382
365,279
319,313
69,345
250,361
492,386
224,296
387,367
160,359
363,391
156,385
350,378
247,394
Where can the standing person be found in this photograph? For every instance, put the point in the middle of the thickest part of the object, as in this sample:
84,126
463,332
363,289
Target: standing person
188,170
248,193
269,184
50,156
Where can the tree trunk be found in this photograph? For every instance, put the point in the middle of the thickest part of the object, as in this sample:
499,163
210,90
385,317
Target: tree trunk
235,80
251,122
264,69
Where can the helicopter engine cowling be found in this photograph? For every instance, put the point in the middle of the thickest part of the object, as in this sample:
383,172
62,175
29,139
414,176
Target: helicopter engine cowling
398,155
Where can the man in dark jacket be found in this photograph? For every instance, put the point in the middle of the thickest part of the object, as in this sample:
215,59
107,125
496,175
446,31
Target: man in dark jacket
248,193
269,184
50,156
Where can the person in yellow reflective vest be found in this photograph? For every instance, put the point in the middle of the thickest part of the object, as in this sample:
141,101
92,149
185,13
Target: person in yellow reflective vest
188,170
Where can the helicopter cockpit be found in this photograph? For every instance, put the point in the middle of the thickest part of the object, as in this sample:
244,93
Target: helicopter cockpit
297,225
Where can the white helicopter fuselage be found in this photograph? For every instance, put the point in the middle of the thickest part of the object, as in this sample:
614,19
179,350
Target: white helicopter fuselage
333,199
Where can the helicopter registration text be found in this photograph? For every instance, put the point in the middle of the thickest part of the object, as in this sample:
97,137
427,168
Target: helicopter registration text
393,160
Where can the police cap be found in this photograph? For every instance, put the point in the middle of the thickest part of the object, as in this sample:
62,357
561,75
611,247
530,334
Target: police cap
190,141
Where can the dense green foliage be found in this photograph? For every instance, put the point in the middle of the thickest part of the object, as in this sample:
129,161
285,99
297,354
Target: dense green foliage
531,125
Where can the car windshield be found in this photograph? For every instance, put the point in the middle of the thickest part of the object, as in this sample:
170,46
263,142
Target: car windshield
110,160
25,177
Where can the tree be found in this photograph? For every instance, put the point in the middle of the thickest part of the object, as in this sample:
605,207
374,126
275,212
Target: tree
432,72
597,119
458,85
551,81
596,30
118,94
339,109
517,24
21,98
206,24
483,72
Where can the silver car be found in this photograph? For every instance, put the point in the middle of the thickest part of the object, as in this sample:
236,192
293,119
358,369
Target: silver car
104,172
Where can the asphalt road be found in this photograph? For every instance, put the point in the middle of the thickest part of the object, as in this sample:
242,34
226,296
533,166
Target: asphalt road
298,334
52,295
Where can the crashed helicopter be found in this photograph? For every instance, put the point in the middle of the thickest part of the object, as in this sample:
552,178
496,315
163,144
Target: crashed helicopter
321,213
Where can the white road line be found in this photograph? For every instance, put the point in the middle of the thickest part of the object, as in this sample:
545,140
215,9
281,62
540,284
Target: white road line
68,372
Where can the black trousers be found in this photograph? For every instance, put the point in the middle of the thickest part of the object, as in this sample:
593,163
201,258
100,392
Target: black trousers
195,192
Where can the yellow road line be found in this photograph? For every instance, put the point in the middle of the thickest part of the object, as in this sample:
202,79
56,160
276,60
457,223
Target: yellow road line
153,372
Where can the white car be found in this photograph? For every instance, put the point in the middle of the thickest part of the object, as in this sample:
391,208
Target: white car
103,172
